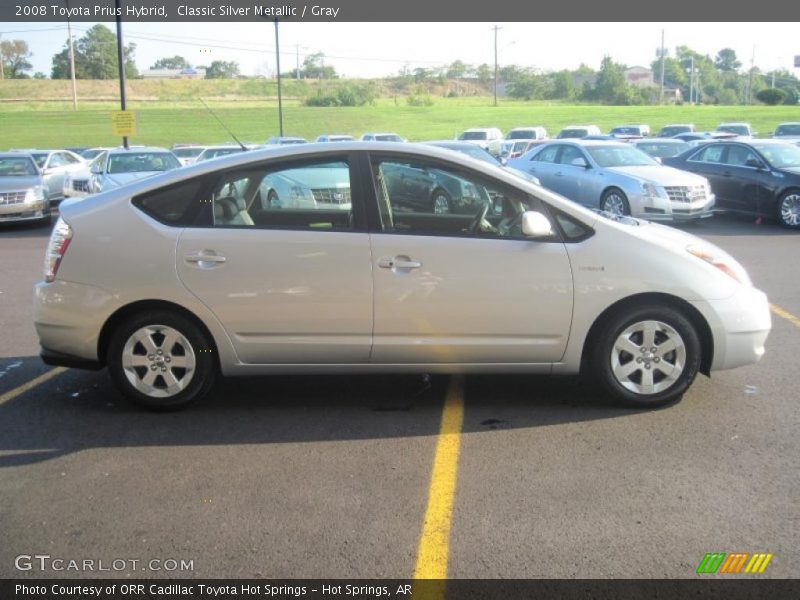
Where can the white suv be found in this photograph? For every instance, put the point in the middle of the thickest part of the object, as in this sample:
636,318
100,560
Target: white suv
488,138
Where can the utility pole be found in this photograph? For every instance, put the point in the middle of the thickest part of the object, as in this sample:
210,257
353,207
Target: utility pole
773,78
2,60
72,62
297,61
278,61
121,64
663,55
750,79
691,82
496,29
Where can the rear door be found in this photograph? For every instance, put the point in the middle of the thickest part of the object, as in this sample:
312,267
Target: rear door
453,288
290,285
543,164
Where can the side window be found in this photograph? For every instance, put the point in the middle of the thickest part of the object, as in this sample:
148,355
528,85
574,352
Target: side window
431,199
68,158
547,155
177,205
710,154
739,155
312,195
55,161
569,154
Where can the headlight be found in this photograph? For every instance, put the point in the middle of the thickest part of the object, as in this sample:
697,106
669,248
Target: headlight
722,261
648,189
34,194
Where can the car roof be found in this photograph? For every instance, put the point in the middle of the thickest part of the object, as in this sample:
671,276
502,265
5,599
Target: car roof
138,149
577,127
16,154
734,123
658,141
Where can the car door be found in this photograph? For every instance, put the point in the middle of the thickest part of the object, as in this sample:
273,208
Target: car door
543,164
290,286
570,180
54,171
739,182
708,162
443,295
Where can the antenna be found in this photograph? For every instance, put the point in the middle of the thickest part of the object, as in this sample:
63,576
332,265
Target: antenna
223,125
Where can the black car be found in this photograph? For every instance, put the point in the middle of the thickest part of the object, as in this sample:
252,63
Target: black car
760,177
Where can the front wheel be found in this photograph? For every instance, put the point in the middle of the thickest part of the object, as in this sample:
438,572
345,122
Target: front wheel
161,360
647,357
440,201
615,201
789,209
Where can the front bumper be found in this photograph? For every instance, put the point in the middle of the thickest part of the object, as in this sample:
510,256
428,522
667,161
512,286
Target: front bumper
34,211
663,209
739,325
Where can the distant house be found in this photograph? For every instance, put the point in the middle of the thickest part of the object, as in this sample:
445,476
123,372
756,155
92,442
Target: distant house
640,77
188,73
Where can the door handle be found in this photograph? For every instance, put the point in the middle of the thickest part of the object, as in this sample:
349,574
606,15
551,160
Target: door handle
204,256
399,263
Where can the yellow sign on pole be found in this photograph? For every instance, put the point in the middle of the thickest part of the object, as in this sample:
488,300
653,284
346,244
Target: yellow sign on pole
123,123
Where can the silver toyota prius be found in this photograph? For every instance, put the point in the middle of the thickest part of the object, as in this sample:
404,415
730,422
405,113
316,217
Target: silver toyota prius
209,269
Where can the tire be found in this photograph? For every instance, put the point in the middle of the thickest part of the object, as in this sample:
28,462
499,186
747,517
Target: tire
440,202
615,202
788,209
188,366
624,365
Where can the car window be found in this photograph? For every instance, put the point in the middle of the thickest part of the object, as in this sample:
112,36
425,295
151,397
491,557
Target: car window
55,161
711,153
739,155
547,155
312,195
68,158
781,156
176,205
568,154
13,166
431,199
788,129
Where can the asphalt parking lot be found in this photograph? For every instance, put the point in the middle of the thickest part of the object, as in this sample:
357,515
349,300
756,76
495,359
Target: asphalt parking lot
290,477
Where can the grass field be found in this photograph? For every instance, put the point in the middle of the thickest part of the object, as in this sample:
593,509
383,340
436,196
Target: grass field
39,123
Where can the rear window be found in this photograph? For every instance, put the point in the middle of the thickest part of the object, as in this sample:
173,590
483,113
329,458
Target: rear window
177,205
473,135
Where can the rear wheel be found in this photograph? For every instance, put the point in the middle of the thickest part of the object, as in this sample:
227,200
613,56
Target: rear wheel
647,357
789,209
161,360
440,201
615,201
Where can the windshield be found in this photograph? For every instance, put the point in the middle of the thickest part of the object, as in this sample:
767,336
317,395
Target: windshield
619,156
388,138
521,134
625,130
789,129
781,156
90,154
471,151
137,162
573,133
215,152
287,141
737,129
187,152
40,158
662,150
17,166
673,130
473,135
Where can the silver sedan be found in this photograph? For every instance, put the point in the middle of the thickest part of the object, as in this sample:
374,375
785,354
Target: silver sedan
619,179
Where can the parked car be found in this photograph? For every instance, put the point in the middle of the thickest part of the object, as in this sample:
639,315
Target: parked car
694,137
187,153
661,147
91,153
382,137
185,275
23,195
210,152
533,132
787,132
760,177
55,166
335,138
323,186
117,167
285,140
640,130
521,147
477,153
619,179
488,138
675,129
740,129
578,131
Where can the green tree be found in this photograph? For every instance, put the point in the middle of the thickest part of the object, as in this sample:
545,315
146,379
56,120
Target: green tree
771,96
222,69
314,67
457,70
15,55
611,86
563,86
171,62
726,60
484,73
95,57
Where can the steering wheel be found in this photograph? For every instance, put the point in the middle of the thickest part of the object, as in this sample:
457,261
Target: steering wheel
479,217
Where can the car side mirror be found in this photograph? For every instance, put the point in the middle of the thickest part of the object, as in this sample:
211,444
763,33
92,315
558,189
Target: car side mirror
579,162
536,225
755,163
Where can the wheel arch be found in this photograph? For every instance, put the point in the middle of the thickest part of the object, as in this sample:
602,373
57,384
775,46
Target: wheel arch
689,311
125,312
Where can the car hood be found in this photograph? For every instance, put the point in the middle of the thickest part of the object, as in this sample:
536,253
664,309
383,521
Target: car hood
659,175
13,184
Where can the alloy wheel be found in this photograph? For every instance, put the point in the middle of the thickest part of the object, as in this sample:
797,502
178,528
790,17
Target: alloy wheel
790,210
158,361
648,357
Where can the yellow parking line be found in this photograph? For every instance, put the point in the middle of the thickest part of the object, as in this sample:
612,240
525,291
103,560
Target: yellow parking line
434,542
21,389
785,314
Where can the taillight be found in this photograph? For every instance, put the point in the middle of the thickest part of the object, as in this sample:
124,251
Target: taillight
56,248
